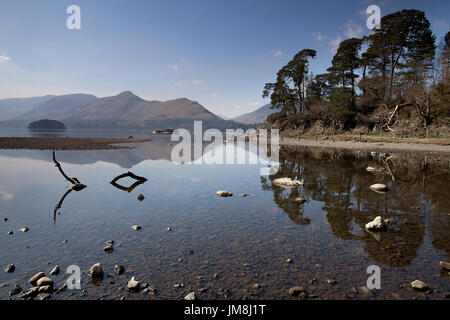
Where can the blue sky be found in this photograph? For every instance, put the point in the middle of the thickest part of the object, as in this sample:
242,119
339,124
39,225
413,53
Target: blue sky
219,53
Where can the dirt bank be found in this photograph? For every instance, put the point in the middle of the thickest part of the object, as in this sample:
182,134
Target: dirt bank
370,146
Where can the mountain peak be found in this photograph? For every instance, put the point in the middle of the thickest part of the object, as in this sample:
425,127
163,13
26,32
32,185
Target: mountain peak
127,93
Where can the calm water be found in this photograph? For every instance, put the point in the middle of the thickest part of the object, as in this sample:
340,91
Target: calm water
246,241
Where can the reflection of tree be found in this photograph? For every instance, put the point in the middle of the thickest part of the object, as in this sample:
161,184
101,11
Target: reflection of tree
340,181
139,181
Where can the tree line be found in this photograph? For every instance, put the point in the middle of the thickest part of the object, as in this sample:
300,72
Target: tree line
370,81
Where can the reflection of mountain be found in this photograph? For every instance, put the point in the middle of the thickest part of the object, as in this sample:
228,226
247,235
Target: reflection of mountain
257,116
158,149
340,182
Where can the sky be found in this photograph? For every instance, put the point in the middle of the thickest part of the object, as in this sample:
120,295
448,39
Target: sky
219,53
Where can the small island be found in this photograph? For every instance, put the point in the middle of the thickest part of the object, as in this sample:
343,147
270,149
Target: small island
46,124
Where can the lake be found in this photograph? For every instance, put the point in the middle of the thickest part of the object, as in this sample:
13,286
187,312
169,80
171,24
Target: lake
226,248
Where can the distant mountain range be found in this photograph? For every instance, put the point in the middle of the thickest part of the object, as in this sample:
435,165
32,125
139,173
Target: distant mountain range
256,117
124,110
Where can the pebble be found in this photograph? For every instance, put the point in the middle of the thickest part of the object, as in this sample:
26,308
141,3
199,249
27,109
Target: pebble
287,183
245,195
44,296
31,292
366,290
55,270
289,260
10,233
133,284
35,278
295,291
257,286
17,289
178,285
96,271
46,289
419,285
224,194
169,229
10,268
331,281
118,269
445,265
5,219
111,242
24,229
300,200
190,296
216,275
136,227
140,197
378,224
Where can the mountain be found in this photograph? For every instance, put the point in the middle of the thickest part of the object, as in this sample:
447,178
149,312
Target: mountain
255,117
124,110
10,108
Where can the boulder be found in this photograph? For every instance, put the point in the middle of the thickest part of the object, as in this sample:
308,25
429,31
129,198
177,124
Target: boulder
45,281
445,265
133,285
379,187
419,285
377,225
96,271
287,183
295,291
10,268
224,194
35,278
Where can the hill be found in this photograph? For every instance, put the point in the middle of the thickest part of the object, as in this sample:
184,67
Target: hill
46,124
11,108
255,117
125,110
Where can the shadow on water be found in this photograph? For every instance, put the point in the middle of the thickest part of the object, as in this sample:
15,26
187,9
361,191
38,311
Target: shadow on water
339,181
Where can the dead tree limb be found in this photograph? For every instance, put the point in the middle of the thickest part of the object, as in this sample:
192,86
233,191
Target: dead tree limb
76,184
140,180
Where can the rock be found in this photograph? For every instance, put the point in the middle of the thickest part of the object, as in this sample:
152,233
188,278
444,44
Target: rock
224,194
16,290
10,268
300,200
419,285
24,229
295,291
133,285
257,286
244,195
108,249
190,296
366,290
178,285
379,187
287,183
111,242
331,281
96,271
289,260
118,269
303,295
215,276
46,289
45,281
35,278
5,219
445,265
44,296
378,224
55,270
10,233
31,292
136,227
371,169
169,229
140,197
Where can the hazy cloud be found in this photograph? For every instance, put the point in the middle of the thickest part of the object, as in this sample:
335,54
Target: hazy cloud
335,44
193,82
4,59
319,36
197,82
352,30
213,95
5,195
174,67
253,104
277,53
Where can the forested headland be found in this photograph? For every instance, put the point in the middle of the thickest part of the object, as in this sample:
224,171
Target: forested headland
396,82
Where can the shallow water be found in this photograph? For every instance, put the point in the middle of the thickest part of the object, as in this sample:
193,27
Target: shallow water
245,241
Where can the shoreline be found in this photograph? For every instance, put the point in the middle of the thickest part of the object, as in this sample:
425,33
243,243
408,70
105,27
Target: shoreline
367,146
43,143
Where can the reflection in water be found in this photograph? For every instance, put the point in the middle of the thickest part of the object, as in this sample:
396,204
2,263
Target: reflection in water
76,186
139,181
340,181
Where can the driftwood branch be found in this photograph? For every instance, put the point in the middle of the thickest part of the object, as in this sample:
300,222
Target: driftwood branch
60,203
140,180
76,184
